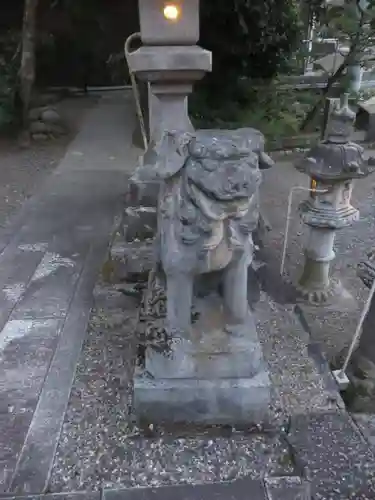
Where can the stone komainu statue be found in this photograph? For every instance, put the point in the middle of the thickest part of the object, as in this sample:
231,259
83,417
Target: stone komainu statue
207,211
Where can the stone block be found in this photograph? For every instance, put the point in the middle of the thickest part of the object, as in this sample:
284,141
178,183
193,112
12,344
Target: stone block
40,137
140,223
287,488
142,194
217,376
38,127
51,116
132,261
235,490
220,401
162,61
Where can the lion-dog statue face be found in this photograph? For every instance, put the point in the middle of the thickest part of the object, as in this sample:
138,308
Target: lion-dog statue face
220,177
218,174
208,200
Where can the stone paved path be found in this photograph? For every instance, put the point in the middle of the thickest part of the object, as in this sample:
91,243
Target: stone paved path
50,257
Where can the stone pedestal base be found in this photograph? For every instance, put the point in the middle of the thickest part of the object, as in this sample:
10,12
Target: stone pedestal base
216,377
333,297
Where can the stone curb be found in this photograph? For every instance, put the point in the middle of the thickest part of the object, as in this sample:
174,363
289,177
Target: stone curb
271,488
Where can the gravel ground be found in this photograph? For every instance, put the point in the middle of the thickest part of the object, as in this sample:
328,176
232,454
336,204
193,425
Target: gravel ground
100,446
22,170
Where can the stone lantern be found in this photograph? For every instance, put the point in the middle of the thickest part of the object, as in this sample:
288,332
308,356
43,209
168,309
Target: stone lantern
169,60
332,165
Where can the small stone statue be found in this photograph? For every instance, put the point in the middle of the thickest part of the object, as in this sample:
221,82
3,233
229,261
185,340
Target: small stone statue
208,208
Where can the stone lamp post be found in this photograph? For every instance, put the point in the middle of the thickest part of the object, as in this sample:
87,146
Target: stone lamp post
170,60
333,164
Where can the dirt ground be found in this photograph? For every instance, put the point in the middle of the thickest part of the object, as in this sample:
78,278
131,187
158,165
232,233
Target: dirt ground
23,169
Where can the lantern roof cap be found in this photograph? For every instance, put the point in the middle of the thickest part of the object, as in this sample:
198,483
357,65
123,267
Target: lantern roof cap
336,162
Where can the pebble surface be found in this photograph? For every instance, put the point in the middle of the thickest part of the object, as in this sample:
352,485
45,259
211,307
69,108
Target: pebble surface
100,447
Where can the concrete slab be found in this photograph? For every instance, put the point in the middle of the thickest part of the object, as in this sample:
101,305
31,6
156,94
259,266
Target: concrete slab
50,290
48,270
16,269
340,462
366,425
238,490
287,488
82,495
26,350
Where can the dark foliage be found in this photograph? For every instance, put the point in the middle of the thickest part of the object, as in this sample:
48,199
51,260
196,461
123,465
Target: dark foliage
248,38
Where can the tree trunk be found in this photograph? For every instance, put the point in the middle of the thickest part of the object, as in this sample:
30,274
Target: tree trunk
27,69
316,108
348,61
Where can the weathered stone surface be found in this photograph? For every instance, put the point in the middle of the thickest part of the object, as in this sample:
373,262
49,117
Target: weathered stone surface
237,490
39,127
57,130
40,137
220,401
50,116
366,424
35,114
340,462
140,223
50,289
287,488
207,210
26,350
43,128
142,193
133,261
214,376
45,99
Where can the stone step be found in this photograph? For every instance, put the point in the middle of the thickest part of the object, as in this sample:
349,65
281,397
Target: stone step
139,223
131,261
142,194
277,488
283,488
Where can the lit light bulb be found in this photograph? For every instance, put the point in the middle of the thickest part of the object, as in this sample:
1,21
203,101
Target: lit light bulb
171,12
313,187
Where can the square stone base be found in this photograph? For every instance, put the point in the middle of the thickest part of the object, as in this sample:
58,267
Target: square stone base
221,401
217,376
